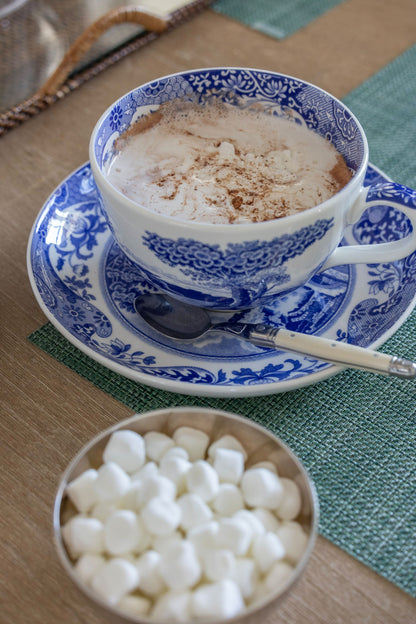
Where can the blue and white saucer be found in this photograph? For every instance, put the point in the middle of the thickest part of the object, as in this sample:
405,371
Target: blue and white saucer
86,287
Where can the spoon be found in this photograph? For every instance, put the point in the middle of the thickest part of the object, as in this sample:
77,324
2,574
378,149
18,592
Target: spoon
183,321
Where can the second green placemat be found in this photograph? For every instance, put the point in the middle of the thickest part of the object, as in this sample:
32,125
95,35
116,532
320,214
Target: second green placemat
277,19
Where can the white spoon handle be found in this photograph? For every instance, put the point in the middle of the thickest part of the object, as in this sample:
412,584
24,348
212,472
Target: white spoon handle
340,353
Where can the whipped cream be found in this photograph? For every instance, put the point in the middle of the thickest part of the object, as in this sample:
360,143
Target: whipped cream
222,164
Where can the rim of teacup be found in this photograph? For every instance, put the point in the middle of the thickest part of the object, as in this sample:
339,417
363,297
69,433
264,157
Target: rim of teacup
252,610
102,179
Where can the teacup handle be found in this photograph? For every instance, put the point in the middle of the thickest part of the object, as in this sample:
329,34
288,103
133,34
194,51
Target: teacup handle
387,194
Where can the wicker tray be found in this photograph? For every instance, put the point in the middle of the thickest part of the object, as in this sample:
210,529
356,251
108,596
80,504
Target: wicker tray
64,80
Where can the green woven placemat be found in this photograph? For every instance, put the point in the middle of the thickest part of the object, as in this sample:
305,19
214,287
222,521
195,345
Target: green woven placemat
275,18
356,432
385,106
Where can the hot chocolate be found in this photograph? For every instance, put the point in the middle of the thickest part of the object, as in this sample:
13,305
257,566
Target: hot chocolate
221,164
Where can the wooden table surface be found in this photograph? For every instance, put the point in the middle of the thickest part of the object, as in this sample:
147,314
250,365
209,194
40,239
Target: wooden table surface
48,411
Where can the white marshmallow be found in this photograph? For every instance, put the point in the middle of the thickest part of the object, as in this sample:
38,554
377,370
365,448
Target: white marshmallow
260,593
157,444
194,511
261,488
175,468
83,535
155,486
174,606
229,465
131,498
202,479
88,565
227,442
294,539
278,576
265,464
103,510
123,532
204,537
149,469
255,525
161,543
81,490
144,538
179,566
267,518
234,534
218,564
112,482
291,503
161,516
134,605
246,576
125,448
267,549
114,580
150,582
176,451
229,499
194,441
222,599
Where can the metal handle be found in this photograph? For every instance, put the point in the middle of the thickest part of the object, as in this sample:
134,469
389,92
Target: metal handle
331,351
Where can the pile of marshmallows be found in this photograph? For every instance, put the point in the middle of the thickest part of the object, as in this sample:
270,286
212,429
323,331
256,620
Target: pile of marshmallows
176,528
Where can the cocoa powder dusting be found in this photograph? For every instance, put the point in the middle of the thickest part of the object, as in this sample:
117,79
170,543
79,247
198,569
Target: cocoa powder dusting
340,172
236,202
141,125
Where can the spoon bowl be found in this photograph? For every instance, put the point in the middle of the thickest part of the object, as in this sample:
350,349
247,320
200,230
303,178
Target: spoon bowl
183,321
173,318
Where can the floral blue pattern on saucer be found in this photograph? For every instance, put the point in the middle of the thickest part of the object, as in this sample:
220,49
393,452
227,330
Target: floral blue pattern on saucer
86,286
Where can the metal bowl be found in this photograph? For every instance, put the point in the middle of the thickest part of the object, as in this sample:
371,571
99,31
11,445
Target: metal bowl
260,445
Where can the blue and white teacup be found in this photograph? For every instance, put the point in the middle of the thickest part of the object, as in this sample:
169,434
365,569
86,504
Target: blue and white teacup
234,266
